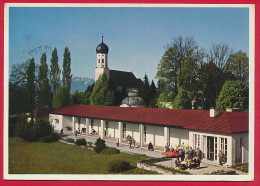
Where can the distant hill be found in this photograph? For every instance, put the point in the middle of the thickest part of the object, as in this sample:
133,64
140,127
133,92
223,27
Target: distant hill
80,83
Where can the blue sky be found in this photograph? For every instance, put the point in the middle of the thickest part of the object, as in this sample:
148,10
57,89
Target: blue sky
136,37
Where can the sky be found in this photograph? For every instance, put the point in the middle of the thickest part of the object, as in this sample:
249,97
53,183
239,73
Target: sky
136,37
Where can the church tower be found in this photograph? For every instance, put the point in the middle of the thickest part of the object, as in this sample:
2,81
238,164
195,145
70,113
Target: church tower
102,60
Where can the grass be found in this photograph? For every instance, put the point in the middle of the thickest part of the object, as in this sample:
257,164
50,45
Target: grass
59,158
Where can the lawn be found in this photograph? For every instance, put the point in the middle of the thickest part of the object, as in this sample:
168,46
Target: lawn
59,158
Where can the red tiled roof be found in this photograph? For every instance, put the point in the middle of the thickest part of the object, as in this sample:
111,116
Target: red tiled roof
226,122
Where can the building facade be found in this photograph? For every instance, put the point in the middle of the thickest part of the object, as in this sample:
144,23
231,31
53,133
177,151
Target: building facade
226,131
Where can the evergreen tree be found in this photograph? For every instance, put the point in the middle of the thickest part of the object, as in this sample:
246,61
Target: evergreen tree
60,99
234,94
45,94
66,72
102,93
31,85
87,94
55,71
77,97
66,77
144,90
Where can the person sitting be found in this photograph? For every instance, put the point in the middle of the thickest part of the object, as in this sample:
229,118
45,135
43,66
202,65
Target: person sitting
93,132
150,146
167,148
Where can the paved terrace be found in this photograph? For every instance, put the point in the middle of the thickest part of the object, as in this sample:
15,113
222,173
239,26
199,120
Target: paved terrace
205,167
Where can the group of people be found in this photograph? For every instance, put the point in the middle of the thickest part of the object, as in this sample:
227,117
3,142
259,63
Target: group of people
131,141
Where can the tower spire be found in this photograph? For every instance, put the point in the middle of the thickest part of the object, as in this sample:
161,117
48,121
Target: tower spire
102,37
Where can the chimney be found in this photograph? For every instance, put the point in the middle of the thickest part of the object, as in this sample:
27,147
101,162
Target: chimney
214,112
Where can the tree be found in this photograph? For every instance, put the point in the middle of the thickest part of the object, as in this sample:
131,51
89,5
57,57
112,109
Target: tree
234,94
144,90
87,94
44,94
171,62
66,72
183,100
18,74
188,77
219,54
77,97
102,94
55,71
60,98
238,64
31,85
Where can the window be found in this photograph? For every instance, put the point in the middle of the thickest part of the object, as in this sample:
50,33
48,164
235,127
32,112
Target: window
124,130
106,129
98,60
196,141
204,150
56,121
92,123
169,137
78,120
144,133
103,60
223,146
216,148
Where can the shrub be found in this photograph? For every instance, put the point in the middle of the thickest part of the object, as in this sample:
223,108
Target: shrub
118,166
81,141
51,138
89,144
33,131
70,140
110,150
100,145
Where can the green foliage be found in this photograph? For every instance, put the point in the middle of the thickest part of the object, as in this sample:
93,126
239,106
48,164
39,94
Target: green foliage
51,138
118,166
70,140
31,85
100,145
238,64
211,80
55,71
164,101
187,74
183,100
77,97
243,168
169,67
44,93
61,158
33,131
102,93
234,94
61,98
66,72
81,141
87,94
110,151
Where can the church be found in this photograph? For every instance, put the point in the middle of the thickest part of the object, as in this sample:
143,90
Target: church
119,79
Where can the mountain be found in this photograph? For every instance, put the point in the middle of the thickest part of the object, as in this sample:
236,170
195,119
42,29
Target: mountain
80,83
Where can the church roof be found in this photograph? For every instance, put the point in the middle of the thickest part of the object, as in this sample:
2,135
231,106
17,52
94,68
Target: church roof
226,122
102,48
124,79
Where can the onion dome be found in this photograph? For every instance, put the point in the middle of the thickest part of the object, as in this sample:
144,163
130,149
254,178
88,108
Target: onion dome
133,100
102,48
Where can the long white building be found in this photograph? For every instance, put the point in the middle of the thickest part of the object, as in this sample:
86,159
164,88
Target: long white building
211,131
